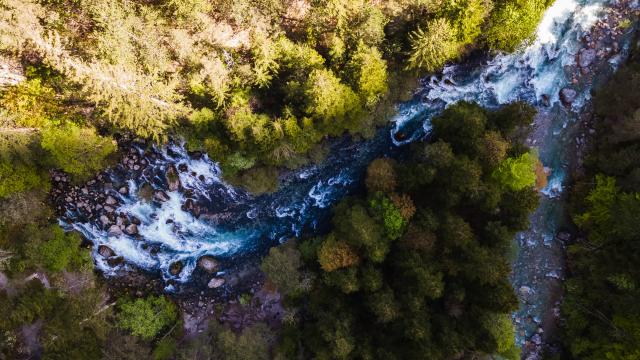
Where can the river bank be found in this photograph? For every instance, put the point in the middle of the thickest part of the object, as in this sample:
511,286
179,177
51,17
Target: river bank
560,133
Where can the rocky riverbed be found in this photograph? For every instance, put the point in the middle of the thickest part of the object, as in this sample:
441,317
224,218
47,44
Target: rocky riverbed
183,211
561,134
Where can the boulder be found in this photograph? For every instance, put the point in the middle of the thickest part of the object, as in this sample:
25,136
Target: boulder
105,251
173,179
188,205
110,200
586,57
567,96
124,190
160,196
563,236
135,220
175,268
526,293
208,263
114,230
131,229
146,192
104,219
115,261
108,209
215,283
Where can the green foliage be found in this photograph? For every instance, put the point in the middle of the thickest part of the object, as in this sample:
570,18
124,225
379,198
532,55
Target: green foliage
601,308
282,268
69,331
146,317
31,104
78,151
468,17
260,180
58,251
187,9
165,349
219,343
18,177
368,73
406,275
394,222
517,173
50,248
513,23
433,47
330,101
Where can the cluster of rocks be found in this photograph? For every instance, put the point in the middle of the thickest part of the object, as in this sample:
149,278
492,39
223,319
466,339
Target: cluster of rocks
600,43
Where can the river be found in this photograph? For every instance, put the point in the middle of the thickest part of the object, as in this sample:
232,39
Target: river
238,223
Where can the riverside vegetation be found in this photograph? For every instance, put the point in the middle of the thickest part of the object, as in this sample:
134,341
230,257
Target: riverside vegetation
260,85
601,310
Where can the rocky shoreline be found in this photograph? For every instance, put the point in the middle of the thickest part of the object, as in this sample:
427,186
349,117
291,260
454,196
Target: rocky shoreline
594,63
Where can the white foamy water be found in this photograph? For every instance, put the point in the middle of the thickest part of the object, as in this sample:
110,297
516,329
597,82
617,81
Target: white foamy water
236,222
533,73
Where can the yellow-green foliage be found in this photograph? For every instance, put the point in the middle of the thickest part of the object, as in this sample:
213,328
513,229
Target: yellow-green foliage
517,173
368,72
330,101
513,22
147,317
16,177
433,46
31,104
78,151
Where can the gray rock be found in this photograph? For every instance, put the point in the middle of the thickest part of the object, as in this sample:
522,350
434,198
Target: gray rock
124,190
567,96
160,196
586,57
563,236
173,180
104,219
132,229
105,251
526,293
114,230
208,263
115,261
146,192
175,268
215,283
108,209
110,200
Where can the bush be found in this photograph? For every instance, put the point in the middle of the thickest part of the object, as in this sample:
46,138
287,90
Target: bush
78,151
513,23
16,177
334,254
433,47
330,101
147,317
517,173
282,268
381,175
49,247
368,73
31,103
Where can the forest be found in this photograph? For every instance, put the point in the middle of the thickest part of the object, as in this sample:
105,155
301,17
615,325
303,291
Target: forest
602,314
414,264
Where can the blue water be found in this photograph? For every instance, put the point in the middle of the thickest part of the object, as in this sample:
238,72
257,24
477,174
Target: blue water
238,223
